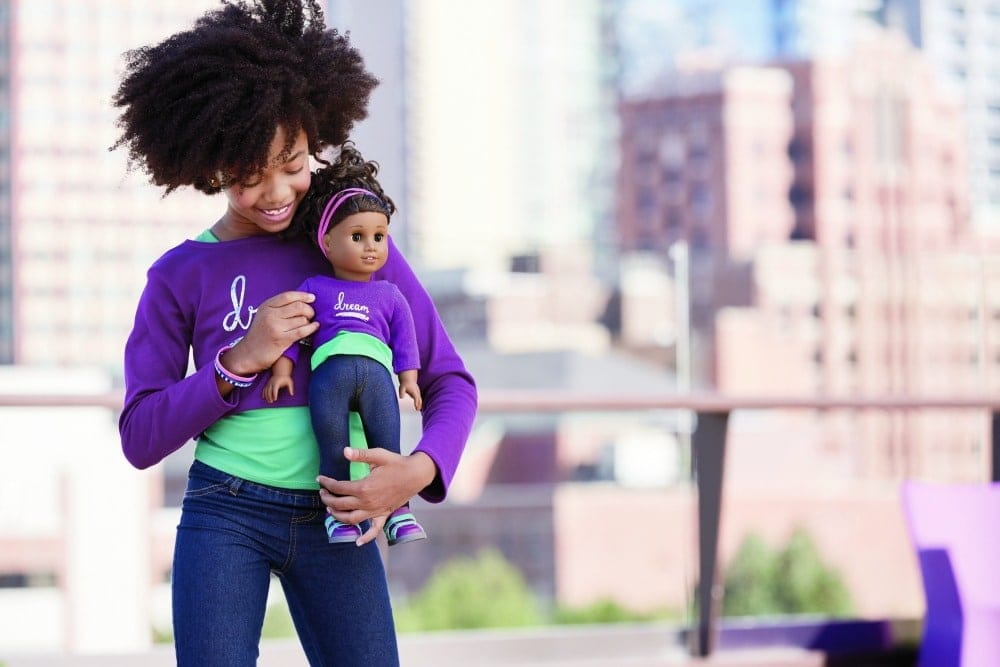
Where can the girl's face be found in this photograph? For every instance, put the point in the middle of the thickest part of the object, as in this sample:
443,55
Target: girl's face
358,245
266,203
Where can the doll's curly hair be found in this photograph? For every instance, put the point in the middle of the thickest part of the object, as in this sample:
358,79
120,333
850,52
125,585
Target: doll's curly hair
200,108
348,170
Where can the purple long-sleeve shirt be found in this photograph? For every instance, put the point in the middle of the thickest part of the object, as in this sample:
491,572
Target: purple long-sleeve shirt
201,296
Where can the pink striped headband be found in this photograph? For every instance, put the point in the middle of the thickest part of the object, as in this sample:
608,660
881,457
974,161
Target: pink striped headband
331,208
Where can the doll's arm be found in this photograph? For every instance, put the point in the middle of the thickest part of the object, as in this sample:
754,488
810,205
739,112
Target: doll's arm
281,378
408,385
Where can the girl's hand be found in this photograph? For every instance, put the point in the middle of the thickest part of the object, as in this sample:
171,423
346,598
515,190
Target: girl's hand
393,480
281,321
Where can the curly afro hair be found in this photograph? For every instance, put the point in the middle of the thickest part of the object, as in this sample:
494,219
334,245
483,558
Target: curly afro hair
348,170
205,102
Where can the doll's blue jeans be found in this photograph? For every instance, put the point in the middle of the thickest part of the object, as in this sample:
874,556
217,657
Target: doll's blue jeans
233,535
345,383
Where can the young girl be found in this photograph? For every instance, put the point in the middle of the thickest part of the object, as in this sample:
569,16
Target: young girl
366,330
237,104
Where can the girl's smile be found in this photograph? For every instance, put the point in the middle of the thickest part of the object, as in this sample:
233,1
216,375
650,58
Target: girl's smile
267,203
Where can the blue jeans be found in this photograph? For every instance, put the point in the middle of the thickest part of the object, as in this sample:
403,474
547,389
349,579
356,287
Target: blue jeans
346,382
232,535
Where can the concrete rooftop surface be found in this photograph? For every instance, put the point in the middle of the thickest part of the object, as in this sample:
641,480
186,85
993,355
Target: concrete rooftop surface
641,645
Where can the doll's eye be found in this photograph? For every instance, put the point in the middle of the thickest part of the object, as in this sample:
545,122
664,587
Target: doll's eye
379,236
356,237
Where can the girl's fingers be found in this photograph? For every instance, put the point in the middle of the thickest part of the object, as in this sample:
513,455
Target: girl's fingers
289,297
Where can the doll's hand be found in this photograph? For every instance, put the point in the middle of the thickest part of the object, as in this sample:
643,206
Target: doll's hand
408,385
281,321
413,390
274,386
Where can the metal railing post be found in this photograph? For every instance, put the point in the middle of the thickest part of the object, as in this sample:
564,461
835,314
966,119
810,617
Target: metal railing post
708,456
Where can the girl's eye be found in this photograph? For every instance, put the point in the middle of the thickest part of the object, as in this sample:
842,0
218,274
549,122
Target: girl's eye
378,237
292,172
355,237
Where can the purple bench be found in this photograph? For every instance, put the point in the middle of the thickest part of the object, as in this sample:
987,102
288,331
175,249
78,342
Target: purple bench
955,530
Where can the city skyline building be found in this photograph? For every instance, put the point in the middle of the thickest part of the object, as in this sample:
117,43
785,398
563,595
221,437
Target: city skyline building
489,149
6,199
706,161
511,133
523,161
84,230
962,39
862,278
378,29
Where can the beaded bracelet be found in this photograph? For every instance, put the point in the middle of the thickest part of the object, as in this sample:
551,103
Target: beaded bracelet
226,376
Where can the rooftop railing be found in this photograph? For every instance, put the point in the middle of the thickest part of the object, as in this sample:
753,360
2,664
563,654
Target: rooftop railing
708,448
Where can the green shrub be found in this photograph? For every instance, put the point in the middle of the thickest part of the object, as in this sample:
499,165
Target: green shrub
602,611
278,622
793,580
481,592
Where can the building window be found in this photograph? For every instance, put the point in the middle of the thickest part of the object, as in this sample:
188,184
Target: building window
672,150
798,150
701,199
525,264
799,195
646,202
889,124
671,175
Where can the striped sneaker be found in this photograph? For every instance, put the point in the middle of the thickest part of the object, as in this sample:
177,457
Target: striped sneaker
340,533
403,527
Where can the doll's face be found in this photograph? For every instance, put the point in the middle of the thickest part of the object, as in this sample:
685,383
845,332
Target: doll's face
266,203
358,245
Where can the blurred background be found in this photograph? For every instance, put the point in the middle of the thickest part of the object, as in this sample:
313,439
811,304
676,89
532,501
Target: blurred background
619,197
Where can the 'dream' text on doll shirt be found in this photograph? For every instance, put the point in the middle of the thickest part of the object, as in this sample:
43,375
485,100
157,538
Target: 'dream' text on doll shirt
369,318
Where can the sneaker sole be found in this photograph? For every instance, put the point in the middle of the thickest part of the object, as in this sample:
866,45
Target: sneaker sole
408,538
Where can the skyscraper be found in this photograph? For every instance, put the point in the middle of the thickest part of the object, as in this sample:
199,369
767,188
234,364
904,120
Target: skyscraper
859,277
958,36
6,214
83,230
509,123
378,29
962,39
